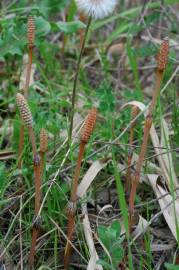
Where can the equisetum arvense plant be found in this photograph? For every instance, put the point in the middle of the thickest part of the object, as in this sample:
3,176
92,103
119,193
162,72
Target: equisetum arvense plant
134,113
85,136
30,39
28,122
162,60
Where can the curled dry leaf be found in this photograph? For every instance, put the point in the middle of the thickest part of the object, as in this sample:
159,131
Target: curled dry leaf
165,142
89,240
168,204
92,172
163,162
115,50
140,227
24,71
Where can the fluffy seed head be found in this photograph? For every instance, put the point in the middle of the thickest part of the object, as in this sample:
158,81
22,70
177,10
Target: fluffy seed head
162,58
97,9
89,125
24,110
31,31
43,140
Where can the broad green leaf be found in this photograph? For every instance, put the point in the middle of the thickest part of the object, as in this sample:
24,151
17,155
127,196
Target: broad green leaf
116,227
70,27
43,27
171,266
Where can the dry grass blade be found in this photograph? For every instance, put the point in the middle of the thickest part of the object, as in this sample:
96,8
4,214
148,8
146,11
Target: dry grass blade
168,204
89,240
156,144
90,175
167,158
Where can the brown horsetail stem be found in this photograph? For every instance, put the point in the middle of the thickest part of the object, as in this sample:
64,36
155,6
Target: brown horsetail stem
28,122
43,150
40,170
43,140
30,39
134,113
162,60
85,136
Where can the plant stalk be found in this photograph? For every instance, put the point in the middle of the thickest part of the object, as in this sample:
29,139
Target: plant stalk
25,90
148,124
76,80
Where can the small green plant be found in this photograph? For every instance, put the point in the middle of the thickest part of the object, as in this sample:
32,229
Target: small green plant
112,241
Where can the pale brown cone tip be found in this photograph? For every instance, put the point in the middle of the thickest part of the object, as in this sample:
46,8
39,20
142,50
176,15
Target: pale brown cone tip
89,125
162,58
31,31
134,113
43,140
24,110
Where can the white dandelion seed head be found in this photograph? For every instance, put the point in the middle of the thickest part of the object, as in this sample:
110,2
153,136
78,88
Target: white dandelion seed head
97,9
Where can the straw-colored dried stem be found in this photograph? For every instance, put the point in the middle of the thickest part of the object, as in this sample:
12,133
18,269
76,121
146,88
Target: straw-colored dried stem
85,136
161,66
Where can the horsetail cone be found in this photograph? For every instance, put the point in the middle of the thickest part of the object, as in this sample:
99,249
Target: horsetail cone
89,125
162,58
134,113
31,31
24,110
43,140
